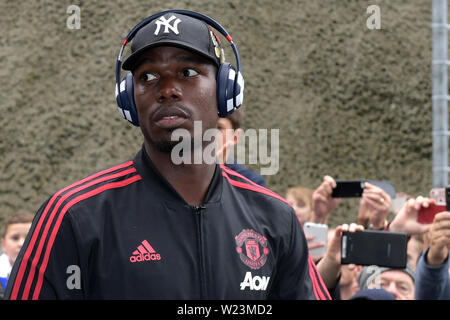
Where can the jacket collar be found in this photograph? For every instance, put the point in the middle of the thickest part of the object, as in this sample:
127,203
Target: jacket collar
157,182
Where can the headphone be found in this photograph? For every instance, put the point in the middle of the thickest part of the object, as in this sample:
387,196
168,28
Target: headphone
230,82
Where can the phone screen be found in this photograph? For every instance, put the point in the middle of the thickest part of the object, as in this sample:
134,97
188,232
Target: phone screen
348,189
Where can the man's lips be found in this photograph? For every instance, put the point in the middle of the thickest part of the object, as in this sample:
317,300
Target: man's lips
170,117
170,123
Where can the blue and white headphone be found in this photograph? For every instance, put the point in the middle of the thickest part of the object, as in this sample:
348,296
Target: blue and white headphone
230,82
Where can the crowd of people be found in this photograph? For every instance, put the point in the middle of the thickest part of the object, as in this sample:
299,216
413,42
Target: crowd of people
426,276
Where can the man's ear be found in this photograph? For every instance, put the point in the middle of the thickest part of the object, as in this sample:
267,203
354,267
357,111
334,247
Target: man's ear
237,135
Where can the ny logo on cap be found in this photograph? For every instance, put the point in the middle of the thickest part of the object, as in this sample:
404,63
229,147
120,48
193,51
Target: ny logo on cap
166,24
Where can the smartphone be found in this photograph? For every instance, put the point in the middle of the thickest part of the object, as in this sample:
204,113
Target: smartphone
320,233
387,187
441,196
373,247
348,189
426,215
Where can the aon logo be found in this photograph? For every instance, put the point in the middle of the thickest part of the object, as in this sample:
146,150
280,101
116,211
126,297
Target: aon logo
254,283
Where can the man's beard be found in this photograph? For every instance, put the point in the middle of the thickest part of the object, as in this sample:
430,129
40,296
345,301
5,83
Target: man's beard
165,146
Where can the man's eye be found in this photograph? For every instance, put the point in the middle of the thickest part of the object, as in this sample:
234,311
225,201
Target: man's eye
404,288
148,77
188,72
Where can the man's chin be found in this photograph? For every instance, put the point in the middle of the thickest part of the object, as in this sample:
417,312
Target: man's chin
165,146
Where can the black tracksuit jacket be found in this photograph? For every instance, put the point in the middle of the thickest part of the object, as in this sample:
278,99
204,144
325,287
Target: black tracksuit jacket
125,233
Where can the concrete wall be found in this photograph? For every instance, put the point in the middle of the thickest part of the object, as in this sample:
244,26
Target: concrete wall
349,102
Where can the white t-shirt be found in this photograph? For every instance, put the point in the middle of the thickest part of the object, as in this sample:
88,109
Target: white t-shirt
5,266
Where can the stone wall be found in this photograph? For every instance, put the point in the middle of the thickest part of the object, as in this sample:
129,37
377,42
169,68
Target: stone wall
348,101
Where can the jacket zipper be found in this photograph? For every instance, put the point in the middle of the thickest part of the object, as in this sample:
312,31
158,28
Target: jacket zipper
199,221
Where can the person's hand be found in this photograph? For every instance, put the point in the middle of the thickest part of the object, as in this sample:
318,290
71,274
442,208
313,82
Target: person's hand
439,237
314,245
374,206
406,219
322,202
330,266
334,246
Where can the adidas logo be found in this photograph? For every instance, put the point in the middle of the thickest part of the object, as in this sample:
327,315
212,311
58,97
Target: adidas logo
144,252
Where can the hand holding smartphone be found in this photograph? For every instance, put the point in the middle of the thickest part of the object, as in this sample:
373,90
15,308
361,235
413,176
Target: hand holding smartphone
441,197
319,233
371,247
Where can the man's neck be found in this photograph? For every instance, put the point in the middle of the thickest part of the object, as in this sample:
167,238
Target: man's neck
191,181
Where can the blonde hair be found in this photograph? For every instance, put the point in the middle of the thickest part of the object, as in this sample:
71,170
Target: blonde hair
301,195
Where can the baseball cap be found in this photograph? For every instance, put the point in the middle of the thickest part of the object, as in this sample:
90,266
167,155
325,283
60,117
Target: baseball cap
369,273
178,30
372,294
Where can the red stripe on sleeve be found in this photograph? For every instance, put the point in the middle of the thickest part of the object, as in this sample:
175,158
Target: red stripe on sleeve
237,174
315,276
52,216
256,188
84,196
317,291
325,290
312,280
24,262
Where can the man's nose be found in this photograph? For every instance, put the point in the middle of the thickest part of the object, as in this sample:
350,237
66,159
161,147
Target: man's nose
169,90
392,289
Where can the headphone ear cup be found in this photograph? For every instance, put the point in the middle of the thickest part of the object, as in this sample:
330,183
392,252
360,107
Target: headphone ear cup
238,90
230,89
125,100
225,87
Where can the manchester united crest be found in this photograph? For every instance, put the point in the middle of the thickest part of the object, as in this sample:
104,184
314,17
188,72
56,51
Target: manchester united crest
252,248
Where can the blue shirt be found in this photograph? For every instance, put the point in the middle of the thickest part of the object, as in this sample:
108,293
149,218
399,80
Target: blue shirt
432,282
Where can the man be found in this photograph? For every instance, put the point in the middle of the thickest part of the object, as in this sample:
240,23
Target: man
397,282
151,229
